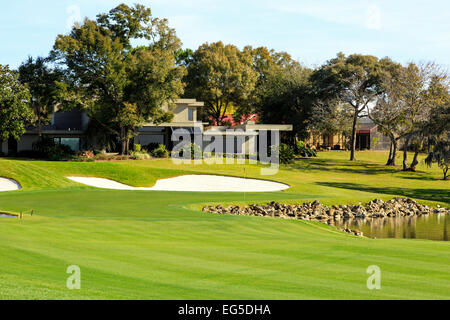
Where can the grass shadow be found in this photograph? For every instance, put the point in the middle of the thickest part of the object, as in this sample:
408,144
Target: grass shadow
342,166
438,195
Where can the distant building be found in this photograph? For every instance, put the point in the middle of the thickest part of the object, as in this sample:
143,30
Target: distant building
70,128
368,137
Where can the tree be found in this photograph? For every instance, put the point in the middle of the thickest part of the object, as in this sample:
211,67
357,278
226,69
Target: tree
184,57
330,117
354,80
221,76
15,112
285,97
435,96
41,81
389,112
415,107
424,87
441,156
265,63
439,122
438,130
121,86
404,107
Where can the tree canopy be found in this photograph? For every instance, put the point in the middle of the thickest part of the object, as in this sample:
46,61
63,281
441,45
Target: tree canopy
221,75
354,80
41,81
15,112
285,98
121,86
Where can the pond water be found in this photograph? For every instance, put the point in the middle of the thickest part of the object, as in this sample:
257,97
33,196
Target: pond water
4,216
431,227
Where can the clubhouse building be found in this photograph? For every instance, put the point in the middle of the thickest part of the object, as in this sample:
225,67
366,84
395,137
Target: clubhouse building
71,128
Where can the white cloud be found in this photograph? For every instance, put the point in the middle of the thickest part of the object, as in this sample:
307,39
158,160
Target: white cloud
350,13
74,13
373,17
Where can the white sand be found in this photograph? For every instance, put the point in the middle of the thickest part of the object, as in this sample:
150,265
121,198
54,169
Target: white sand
195,183
9,185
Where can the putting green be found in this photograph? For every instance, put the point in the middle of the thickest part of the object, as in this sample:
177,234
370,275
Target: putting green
158,245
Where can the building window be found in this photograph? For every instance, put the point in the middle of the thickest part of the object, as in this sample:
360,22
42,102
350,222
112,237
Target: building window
191,114
73,143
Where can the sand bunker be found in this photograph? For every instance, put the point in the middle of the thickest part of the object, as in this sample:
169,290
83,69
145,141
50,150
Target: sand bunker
195,183
9,185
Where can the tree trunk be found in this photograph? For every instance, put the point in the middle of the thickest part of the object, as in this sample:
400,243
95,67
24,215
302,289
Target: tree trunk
405,155
124,148
354,133
218,119
39,127
390,154
445,173
224,111
394,153
392,159
415,162
123,140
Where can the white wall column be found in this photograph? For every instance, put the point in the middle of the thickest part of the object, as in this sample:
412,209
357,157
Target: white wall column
4,147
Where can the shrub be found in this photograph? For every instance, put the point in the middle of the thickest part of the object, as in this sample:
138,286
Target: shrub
79,158
86,154
189,151
140,155
301,149
196,151
30,154
60,153
97,152
103,157
160,152
120,158
152,146
286,153
48,149
137,148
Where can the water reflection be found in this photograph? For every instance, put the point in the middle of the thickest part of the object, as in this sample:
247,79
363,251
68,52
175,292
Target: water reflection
5,216
432,227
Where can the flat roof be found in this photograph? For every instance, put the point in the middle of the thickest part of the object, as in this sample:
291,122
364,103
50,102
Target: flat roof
190,102
55,132
269,127
177,124
230,133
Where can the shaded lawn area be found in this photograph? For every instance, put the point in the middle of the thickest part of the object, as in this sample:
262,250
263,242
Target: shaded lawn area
435,195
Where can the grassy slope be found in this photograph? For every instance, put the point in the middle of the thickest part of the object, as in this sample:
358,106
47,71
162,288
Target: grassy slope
156,245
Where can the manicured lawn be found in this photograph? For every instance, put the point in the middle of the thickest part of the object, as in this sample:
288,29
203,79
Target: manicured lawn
158,245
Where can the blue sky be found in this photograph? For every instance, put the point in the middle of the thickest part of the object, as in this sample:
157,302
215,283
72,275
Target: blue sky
312,31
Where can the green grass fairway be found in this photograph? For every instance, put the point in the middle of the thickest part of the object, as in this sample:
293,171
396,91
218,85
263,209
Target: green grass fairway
158,245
